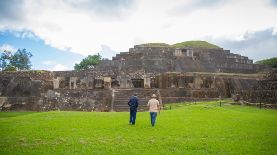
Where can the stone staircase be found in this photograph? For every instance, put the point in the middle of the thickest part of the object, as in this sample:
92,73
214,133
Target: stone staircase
122,96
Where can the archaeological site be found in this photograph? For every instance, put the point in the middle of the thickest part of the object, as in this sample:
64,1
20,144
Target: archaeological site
174,74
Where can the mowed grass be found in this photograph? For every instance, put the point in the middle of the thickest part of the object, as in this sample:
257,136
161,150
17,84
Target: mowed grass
202,128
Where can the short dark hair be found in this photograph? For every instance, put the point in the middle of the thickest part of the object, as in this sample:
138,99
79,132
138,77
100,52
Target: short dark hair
135,94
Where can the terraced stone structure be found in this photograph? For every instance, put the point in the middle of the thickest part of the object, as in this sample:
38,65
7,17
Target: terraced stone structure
174,74
264,92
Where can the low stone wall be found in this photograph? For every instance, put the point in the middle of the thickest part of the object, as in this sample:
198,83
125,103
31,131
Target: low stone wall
258,105
20,103
72,100
25,83
265,91
79,100
175,95
34,91
204,85
92,91
257,96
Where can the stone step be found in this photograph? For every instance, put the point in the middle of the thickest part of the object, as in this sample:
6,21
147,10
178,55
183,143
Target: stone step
132,93
126,102
127,109
127,99
125,105
122,96
122,106
119,100
135,90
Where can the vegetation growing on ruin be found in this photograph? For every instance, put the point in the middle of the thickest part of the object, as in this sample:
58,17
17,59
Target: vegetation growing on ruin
40,71
271,62
195,44
89,62
201,128
155,45
20,60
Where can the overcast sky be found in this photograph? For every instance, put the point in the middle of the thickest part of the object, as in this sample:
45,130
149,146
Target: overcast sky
65,31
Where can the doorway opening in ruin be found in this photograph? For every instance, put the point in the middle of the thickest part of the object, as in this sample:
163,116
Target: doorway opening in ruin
64,82
153,83
98,83
138,83
115,83
72,85
187,52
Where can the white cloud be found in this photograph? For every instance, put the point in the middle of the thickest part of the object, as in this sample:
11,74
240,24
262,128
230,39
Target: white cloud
48,62
69,26
59,67
54,66
7,47
256,45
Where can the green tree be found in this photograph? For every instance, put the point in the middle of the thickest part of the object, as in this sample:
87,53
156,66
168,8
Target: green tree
20,60
271,62
89,62
5,59
10,68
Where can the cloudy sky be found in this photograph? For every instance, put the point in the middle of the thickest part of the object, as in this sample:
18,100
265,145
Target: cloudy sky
60,33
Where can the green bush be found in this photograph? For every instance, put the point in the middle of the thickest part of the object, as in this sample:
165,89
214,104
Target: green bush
271,62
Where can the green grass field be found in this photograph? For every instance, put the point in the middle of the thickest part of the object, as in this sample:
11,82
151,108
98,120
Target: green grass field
204,128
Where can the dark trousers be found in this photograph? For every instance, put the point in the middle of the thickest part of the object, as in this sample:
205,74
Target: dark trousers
133,113
153,116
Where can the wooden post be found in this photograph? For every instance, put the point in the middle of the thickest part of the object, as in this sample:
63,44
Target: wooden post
220,100
112,104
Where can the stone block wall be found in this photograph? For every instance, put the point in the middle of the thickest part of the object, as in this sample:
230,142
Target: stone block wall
176,87
25,83
92,90
44,90
154,59
77,100
265,91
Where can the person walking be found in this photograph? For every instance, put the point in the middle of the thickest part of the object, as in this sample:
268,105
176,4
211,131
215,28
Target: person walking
133,104
154,108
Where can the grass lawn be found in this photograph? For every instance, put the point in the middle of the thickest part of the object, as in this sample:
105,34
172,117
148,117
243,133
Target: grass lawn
204,128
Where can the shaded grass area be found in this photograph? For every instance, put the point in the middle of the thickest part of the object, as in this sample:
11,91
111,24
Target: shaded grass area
202,128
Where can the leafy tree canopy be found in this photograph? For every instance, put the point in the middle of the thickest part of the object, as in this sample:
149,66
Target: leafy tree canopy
89,62
20,60
271,62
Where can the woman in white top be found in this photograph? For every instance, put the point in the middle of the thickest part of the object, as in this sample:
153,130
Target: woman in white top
154,108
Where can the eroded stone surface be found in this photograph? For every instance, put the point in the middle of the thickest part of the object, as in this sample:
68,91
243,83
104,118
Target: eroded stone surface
174,74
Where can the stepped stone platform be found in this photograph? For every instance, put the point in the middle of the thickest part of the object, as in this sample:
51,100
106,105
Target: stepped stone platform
174,74
122,96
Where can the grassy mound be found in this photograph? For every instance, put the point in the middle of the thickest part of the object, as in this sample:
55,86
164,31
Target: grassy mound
195,44
155,45
202,128
271,62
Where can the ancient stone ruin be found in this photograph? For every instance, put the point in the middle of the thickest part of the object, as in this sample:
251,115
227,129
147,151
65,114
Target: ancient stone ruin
265,91
174,74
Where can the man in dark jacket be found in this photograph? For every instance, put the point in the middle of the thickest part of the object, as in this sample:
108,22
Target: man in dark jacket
133,104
